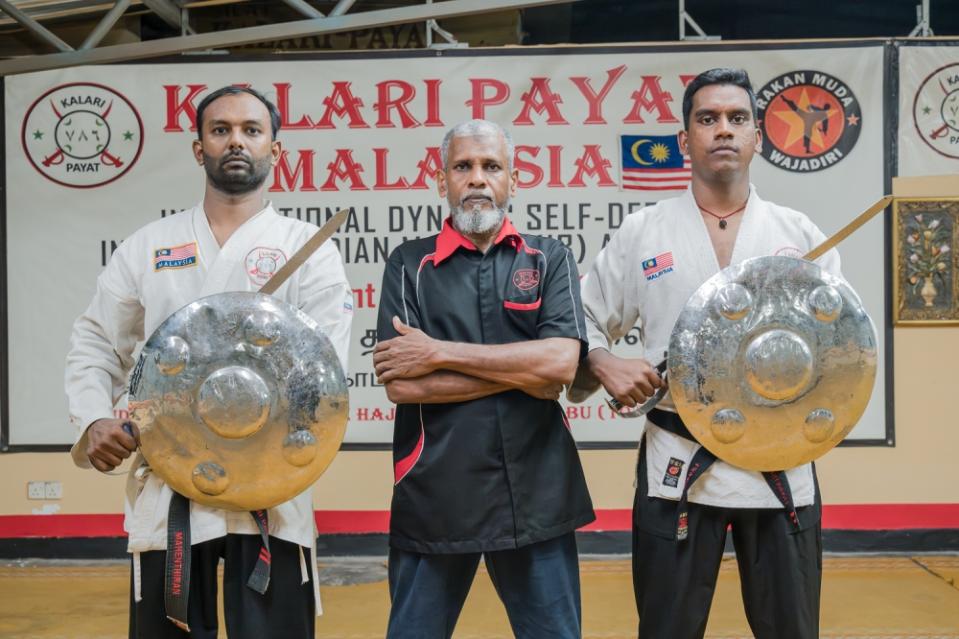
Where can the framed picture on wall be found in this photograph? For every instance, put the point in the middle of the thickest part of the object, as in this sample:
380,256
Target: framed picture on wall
926,261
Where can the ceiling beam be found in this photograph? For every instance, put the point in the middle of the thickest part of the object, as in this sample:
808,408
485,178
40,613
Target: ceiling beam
249,35
305,8
105,24
34,27
168,11
342,7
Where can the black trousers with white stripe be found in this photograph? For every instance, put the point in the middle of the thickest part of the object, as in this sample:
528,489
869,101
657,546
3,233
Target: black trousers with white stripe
287,609
780,568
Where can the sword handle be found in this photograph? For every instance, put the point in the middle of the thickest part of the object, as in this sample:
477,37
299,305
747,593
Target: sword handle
648,405
128,429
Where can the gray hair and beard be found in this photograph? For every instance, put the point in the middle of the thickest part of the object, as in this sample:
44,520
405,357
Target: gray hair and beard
477,220
236,182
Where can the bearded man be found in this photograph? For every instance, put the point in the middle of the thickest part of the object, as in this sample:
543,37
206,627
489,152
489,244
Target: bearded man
479,329
232,241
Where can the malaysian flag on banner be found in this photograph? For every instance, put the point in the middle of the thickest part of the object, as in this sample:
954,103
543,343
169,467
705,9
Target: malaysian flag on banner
653,163
175,256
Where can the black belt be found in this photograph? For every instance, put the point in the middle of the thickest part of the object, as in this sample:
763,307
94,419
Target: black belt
702,460
176,591
176,594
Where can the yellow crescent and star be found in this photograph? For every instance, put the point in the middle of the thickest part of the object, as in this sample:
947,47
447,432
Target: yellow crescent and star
659,152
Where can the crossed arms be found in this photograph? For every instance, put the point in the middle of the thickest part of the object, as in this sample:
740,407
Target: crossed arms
417,369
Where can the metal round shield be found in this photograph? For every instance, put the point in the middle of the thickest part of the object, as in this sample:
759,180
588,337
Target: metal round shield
772,363
240,400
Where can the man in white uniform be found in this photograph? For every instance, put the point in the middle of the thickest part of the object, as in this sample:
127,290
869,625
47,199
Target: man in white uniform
656,260
232,241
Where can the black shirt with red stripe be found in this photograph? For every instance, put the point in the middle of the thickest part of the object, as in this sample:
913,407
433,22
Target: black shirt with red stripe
501,471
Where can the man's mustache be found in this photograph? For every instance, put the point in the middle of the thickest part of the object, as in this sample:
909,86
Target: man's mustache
236,157
472,196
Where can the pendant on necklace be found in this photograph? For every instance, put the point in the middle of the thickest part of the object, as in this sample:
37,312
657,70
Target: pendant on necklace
722,224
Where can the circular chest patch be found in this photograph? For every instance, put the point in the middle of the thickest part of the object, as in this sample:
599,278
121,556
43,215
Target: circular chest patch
789,251
262,263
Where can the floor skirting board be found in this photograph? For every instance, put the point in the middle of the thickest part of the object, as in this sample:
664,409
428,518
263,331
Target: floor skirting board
918,541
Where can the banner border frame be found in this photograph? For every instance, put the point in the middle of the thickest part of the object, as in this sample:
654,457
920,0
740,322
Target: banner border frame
890,117
891,167
4,334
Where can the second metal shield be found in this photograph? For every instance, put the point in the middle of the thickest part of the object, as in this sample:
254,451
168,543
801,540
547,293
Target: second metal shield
772,363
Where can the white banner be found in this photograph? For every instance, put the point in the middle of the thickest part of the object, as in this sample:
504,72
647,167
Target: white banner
928,110
93,153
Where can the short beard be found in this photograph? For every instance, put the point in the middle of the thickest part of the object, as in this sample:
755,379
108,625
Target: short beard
478,221
236,183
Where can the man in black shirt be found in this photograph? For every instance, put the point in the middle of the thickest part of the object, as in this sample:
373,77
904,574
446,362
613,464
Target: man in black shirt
480,327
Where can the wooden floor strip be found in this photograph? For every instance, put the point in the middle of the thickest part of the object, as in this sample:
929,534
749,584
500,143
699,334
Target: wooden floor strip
878,597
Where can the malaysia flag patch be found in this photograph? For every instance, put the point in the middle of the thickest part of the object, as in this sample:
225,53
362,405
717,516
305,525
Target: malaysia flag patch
658,266
175,257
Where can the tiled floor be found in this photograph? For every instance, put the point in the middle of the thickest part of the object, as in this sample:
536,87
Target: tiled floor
863,598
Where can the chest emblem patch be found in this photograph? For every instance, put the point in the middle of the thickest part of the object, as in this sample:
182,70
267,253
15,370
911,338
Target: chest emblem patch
789,251
656,267
262,263
526,278
182,256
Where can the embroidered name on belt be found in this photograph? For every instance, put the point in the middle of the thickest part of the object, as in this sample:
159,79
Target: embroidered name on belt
175,257
673,470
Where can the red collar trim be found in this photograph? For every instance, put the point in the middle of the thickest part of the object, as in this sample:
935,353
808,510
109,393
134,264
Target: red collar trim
450,239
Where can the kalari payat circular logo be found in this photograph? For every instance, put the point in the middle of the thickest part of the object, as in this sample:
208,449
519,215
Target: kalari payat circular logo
810,120
935,110
82,135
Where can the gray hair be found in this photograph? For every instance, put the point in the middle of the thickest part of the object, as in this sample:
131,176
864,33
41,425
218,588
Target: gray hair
477,128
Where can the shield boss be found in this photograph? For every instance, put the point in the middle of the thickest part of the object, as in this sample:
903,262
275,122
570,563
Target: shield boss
772,362
241,401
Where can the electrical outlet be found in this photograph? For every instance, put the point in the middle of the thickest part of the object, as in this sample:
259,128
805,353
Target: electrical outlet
52,490
36,490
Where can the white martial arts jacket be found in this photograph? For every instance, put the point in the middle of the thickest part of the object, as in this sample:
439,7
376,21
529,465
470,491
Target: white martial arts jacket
155,272
618,293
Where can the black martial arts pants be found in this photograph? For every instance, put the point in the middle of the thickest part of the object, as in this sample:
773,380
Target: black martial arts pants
780,567
286,610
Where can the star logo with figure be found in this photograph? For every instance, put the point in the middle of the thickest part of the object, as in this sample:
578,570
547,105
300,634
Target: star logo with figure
935,110
82,135
810,120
